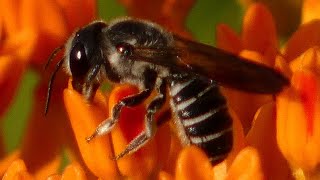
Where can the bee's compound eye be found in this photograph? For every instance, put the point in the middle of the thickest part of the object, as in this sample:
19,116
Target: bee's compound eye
125,49
78,60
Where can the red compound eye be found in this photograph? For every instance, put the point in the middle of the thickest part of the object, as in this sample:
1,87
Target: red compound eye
125,49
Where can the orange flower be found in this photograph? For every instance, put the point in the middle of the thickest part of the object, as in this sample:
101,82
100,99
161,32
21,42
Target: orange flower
169,13
247,165
101,150
258,43
298,115
310,10
29,31
287,22
262,137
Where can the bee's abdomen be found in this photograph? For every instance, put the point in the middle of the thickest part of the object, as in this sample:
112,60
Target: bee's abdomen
203,114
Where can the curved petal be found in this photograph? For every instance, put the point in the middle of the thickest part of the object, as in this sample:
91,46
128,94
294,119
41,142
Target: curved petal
84,119
259,31
298,112
78,14
6,161
238,100
17,170
305,37
168,13
164,176
273,164
227,39
73,172
310,11
246,166
44,137
11,70
192,164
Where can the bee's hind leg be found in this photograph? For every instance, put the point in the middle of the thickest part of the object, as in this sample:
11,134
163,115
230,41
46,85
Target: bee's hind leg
150,124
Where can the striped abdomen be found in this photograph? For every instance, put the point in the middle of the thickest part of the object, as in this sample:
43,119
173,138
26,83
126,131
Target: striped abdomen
203,117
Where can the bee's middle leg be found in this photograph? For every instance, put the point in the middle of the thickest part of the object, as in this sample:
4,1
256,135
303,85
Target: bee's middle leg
107,125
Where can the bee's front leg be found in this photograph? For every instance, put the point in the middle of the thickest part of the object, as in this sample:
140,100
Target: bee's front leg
150,124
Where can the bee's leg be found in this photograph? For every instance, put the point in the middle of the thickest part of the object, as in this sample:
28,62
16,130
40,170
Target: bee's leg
107,125
150,124
130,101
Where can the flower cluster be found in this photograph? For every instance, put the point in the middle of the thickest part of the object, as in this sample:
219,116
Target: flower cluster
276,136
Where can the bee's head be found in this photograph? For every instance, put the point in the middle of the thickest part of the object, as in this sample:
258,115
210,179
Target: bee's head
83,58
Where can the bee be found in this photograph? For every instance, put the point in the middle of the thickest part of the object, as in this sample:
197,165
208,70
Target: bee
142,53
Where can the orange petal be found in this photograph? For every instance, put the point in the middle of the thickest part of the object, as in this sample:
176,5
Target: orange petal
62,17
11,71
304,38
10,17
239,141
73,171
51,35
273,164
192,164
246,166
310,11
21,45
164,176
175,148
297,111
162,139
17,170
131,123
286,13
238,100
177,10
8,160
254,56
259,30
171,14
220,170
227,39
45,136
282,66
48,168
309,60
54,177
84,119
71,10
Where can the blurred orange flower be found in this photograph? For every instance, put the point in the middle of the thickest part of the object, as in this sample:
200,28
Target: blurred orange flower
258,42
29,31
274,138
298,116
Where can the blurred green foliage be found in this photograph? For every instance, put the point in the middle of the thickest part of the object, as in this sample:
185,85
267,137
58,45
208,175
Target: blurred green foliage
202,20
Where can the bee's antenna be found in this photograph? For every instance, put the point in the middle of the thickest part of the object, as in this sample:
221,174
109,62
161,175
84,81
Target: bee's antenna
53,75
53,55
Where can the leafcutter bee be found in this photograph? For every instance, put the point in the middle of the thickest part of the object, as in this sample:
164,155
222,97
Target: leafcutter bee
144,54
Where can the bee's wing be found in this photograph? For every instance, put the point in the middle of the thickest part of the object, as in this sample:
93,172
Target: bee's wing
225,68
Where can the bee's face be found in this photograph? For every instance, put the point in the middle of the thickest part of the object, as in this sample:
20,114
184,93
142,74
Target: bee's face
82,54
